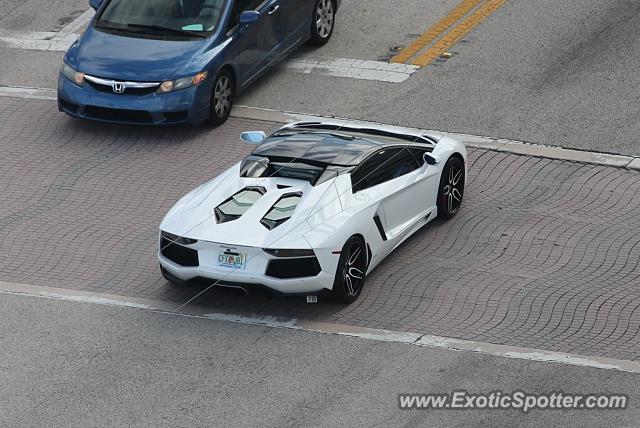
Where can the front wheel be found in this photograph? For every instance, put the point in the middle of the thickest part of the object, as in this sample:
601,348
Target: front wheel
221,98
350,274
322,22
451,188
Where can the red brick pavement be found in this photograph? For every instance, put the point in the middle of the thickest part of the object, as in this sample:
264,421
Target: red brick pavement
543,254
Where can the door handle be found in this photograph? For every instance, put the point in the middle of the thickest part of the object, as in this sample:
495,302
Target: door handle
273,9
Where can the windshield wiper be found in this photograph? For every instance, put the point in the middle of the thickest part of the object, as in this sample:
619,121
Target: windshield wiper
109,27
161,29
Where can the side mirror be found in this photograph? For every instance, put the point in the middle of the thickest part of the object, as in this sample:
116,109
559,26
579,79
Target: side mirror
429,160
253,137
249,17
95,4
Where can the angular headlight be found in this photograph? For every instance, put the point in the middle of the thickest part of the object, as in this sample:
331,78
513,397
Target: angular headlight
73,75
185,82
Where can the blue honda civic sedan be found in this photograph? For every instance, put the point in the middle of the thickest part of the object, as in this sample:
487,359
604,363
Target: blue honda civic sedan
181,61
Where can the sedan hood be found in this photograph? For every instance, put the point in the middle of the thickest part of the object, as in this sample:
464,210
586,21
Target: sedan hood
193,216
129,58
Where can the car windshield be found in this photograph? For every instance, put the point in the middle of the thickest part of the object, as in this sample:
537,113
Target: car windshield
191,18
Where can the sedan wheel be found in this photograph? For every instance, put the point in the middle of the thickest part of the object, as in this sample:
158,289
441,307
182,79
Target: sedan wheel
324,16
352,267
222,98
451,188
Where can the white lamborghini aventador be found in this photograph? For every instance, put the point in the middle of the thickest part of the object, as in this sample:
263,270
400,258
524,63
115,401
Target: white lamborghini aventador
314,208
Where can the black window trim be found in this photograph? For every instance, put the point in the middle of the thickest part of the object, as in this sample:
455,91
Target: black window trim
355,188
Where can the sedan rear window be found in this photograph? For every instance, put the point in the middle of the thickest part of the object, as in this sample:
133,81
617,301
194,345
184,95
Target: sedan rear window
168,17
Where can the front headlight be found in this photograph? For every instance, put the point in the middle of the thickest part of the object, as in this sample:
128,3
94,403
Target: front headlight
73,75
185,82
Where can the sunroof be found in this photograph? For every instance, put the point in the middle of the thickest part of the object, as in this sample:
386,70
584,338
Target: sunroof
238,204
281,210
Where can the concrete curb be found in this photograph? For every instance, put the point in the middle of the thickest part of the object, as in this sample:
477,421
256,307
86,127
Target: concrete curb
379,335
475,141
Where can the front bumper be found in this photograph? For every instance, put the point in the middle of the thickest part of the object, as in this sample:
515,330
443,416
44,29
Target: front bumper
205,270
189,105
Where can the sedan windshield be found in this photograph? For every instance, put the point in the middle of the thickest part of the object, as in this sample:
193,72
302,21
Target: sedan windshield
190,18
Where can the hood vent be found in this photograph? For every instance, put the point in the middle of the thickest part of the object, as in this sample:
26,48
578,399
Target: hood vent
281,210
238,204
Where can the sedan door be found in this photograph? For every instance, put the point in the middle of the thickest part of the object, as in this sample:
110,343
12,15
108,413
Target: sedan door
255,44
293,23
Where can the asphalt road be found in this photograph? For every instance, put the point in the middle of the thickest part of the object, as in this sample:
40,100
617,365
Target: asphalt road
91,365
552,72
39,15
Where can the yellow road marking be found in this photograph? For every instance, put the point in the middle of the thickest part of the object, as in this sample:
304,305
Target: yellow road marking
458,32
432,33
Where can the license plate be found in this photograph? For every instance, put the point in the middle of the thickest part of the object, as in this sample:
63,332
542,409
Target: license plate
232,260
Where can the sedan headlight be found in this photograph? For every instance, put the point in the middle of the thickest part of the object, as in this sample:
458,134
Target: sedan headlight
185,82
73,75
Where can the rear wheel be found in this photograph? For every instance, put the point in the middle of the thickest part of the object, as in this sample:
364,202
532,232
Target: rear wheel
322,22
451,188
221,98
350,274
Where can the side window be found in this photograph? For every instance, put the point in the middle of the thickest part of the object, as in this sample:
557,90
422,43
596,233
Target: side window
383,166
240,6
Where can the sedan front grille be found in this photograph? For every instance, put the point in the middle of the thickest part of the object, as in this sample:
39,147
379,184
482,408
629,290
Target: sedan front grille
118,115
127,91
120,88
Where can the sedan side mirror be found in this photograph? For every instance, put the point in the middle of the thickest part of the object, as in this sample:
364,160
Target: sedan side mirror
429,160
253,137
95,4
249,17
